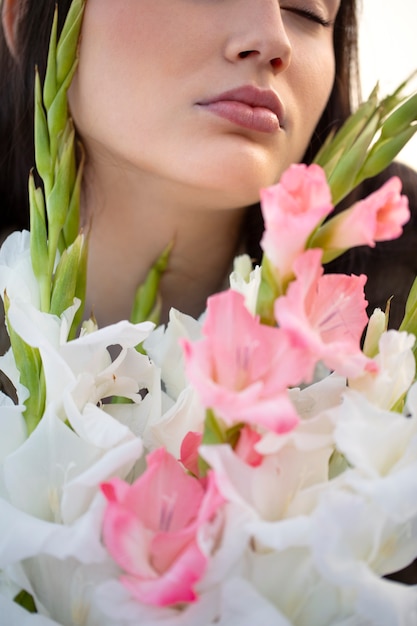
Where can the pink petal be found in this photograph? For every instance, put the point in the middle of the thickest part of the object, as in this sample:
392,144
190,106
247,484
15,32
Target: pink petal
164,482
328,313
292,209
125,538
245,447
176,585
189,451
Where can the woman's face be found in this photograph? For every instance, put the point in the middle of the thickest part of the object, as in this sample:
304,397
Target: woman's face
217,96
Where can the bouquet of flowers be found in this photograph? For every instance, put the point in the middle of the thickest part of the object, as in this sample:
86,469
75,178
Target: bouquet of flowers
254,466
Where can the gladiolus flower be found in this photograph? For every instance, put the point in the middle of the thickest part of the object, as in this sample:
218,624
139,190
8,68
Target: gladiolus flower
378,217
242,369
292,209
328,313
151,529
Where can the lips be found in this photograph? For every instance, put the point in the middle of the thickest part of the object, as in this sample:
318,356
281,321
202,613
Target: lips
249,107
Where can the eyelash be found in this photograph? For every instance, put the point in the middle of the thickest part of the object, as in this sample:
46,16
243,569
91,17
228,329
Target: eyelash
310,15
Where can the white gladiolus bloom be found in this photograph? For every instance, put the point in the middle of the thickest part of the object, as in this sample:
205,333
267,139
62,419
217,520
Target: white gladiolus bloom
164,349
246,281
396,371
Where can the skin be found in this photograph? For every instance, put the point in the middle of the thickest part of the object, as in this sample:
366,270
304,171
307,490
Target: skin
161,166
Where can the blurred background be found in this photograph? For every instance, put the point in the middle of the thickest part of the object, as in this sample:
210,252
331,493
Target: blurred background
388,51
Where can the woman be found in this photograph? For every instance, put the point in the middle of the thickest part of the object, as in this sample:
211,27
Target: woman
183,120
185,170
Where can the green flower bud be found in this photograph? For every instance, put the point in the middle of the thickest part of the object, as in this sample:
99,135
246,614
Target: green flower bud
383,153
147,304
401,118
343,178
42,145
66,276
66,57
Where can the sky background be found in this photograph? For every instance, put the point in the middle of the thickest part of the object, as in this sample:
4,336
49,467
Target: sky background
388,50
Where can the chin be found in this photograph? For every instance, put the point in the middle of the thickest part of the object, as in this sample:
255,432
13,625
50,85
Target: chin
246,189
239,186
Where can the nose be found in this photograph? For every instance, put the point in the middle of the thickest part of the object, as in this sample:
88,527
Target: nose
259,34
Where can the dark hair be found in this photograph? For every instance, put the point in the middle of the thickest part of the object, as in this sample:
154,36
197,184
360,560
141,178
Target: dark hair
16,102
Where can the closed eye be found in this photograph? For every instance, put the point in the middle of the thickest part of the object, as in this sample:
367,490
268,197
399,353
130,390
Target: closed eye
308,14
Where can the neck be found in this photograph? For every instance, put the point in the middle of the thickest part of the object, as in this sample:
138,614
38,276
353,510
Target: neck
131,223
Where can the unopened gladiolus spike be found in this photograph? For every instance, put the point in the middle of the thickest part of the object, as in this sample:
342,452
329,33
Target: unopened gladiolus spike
344,155
145,305
54,136
54,145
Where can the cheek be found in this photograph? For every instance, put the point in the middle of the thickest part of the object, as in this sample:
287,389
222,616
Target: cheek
312,80
318,78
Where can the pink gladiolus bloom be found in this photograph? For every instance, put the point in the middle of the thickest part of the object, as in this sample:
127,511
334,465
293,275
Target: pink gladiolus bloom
379,217
242,369
151,530
328,313
292,209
